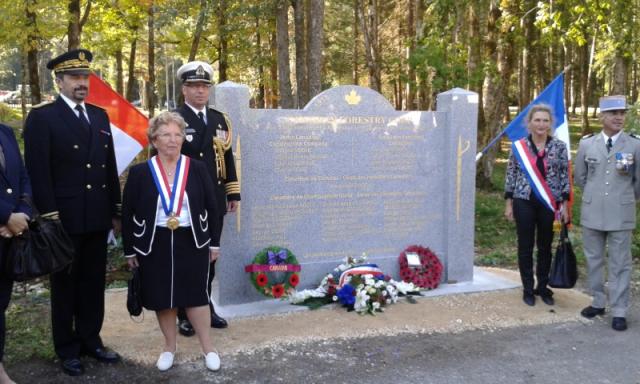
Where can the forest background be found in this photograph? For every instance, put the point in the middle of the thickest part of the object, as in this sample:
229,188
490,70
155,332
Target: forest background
287,51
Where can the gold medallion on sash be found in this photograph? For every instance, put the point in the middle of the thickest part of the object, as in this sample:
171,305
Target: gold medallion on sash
172,222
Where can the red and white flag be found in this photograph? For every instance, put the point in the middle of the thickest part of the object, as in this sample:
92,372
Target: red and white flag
128,125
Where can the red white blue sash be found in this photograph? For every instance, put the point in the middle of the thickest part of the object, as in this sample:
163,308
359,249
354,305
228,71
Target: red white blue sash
538,184
171,195
362,269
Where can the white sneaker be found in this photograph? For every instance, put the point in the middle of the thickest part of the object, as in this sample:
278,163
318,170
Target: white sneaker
212,360
165,361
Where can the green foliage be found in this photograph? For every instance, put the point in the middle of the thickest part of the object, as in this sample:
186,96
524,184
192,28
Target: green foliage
28,328
9,116
632,119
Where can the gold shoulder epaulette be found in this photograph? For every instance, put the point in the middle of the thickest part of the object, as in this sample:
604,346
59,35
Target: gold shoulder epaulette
41,104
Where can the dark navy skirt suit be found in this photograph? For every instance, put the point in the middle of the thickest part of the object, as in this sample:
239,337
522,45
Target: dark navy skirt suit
174,264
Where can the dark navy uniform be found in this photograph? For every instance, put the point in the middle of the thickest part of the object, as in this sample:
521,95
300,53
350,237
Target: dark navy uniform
74,177
14,184
199,144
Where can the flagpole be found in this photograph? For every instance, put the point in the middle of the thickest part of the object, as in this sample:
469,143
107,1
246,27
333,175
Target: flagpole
497,138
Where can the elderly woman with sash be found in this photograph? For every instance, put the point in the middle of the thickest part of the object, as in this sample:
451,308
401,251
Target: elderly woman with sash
168,232
536,192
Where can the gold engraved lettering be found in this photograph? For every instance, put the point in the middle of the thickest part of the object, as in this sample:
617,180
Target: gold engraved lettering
461,152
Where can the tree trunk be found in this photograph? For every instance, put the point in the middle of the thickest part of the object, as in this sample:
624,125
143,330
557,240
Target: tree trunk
119,70
282,37
32,54
302,85
398,83
566,57
584,87
526,68
422,77
273,88
356,22
76,22
316,46
151,82
23,88
496,84
474,61
619,75
223,48
369,24
634,80
197,34
73,27
410,50
260,99
131,75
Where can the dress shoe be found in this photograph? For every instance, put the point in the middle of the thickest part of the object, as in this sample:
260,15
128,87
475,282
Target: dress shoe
217,321
619,323
547,300
165,361
529,299
72,367
212,361
185,328
545,294
591,312
104,355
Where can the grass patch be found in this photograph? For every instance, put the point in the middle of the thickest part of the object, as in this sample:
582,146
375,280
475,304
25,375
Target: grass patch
29,328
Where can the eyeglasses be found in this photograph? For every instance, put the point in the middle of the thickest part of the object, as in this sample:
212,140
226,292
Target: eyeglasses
170,136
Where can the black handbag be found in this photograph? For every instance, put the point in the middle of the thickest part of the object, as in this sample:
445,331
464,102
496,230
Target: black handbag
564,271
134,294
43,249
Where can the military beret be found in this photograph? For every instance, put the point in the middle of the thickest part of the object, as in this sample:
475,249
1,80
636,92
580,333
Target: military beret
73,62
195,72
613,103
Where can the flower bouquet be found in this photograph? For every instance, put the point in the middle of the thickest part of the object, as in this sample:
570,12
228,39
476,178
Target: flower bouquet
357,285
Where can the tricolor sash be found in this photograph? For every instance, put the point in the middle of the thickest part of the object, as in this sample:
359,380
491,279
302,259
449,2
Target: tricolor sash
171,195
362,269
538,184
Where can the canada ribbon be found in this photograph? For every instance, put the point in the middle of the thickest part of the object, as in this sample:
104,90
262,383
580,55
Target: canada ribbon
272,268
538,184
169,195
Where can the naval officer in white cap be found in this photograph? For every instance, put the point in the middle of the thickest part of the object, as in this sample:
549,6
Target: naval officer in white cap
607,171
208,138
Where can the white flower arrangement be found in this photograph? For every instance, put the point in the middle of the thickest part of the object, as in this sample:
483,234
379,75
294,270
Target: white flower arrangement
365,293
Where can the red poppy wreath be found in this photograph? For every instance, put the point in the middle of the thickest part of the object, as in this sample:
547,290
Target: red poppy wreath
274,272
427,275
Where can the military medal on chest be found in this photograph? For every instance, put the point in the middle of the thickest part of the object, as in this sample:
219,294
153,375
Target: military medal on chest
624,162
171,195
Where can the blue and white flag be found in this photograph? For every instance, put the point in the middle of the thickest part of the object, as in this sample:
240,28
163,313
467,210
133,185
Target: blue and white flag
553,95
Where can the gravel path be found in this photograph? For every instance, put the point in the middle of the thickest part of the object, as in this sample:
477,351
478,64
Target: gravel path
472,338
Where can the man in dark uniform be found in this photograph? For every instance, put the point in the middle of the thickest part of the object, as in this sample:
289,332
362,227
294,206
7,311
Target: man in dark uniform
208,138
70,157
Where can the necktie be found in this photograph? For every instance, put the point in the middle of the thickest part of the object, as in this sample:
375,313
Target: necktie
609,145
82,117
201,116
2,160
